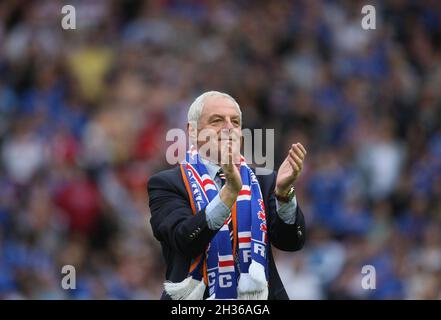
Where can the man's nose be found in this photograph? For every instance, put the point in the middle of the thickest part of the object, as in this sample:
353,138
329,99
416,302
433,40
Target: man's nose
228,124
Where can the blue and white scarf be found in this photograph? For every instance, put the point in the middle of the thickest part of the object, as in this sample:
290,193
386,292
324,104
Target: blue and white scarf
217,267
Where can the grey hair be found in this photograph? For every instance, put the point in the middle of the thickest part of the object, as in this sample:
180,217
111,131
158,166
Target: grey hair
196,108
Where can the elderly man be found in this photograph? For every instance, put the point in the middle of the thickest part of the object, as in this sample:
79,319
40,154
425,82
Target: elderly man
216,220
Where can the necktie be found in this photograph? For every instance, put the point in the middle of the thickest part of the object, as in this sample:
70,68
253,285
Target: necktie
221,176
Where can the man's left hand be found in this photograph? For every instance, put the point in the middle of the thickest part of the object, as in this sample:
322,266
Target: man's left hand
290,168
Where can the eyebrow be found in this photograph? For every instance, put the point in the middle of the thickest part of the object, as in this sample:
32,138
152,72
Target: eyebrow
223,116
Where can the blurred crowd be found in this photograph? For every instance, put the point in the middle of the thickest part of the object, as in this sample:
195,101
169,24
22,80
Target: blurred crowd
84,114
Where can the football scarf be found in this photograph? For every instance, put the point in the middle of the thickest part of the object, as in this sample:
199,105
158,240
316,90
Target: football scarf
228,276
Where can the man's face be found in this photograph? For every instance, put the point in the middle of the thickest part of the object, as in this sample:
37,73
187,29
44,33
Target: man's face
219,125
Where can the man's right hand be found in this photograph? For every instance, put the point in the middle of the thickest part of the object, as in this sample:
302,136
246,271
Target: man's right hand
233,181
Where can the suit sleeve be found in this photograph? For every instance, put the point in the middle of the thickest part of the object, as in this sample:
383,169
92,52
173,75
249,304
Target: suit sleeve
284,236
172,220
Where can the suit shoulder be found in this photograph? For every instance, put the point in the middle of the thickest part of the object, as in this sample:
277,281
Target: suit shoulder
168,176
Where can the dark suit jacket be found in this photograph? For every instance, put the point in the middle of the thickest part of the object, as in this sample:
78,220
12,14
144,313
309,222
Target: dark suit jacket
184,236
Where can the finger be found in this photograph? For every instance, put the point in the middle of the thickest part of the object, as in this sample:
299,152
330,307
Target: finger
298,152
296,159
293,165
223,154
226,153
301,148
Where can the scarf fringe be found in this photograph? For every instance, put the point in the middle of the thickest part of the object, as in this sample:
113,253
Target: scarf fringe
255,295
187,289
253,285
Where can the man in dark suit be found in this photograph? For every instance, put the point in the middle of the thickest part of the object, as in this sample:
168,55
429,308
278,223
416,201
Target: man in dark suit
184,235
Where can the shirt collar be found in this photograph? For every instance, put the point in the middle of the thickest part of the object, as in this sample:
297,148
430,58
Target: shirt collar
212,168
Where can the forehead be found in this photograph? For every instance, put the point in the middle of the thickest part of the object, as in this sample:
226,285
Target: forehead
219,105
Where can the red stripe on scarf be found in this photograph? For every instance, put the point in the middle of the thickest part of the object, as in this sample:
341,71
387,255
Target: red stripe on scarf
228,263
207,181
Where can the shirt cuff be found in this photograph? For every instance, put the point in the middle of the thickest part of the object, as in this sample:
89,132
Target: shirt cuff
287,210
216,213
